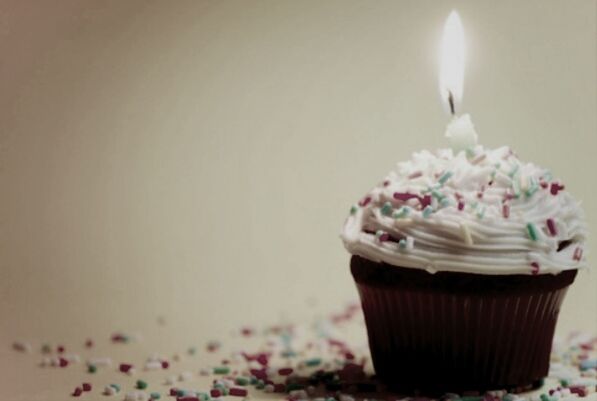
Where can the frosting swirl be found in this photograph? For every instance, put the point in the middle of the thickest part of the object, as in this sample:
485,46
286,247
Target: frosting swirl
478,211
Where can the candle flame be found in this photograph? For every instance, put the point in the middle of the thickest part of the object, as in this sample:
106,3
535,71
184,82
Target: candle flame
451,77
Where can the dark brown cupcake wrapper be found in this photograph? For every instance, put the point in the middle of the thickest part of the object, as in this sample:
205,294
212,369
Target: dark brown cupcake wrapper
455,332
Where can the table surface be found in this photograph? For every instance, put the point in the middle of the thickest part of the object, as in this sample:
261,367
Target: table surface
27,373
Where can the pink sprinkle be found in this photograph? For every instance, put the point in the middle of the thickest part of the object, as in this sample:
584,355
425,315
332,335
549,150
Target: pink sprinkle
78,391
285,371
62,363
577,254
125,367
555,188
506,210
239,392
384,237
508,195
365,201
60,349
215,392
551,227
414,175
86,386
535,268
165,364
543,184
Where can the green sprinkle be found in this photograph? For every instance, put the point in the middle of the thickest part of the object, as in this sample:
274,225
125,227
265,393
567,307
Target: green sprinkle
221,370
260,384
445,202
470,152
516,188
471,398
564,383
445,177
91,368
508,397
532,231
141,385
155,396
115,387
547,176
253,380
288,353
219,386
544,397
514,170
181,393
353,209
313,362
427,211
241,381
481,212
386,209
532,188
294,386
402,244
402,212
436,194
203,396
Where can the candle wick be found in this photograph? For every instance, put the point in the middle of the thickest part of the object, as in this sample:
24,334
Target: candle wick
451,102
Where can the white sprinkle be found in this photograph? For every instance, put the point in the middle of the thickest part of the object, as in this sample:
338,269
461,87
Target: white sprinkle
109,390
136,396
466,234
104,361
72,358
153,365
22,346
183,376
269,388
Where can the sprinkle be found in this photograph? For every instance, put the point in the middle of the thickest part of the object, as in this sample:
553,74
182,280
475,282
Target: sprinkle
141,385
125,367
109,390
534,187
414,175
155,396
285,371
427,211
516,188
215,392
445,177
402,212
466,234
513,171
353,210
386,209
437,195
86,386
365,201
551,227
165,364
91,368
21,346
62,362
386,183
241,381
588,364
479,158
532,231
115,387
460,205
215,345
60,349
77,392
577,256
221,370
313,362
445,202
238,392
402,244
382,236
534,268
481,212
555,188
506,210
46,349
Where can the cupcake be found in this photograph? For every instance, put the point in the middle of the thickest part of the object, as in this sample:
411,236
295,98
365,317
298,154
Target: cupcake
462,259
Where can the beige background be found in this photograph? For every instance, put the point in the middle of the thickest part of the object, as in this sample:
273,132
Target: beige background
196,159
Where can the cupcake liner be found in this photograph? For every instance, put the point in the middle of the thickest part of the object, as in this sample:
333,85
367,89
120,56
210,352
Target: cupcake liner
457,332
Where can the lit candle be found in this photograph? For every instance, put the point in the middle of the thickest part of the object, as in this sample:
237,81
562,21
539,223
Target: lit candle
460,131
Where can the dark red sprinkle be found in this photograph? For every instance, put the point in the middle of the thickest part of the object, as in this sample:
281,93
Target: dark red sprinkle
78,391
247,331
165,364
215,392
187,398
460,205
535,267
173,391
238,392
259,373
365,201
89,343
268,381
125,367
279,388
580,391
285,371
551,227
262,359
62,362
86,386
349,356
543,184
386,183
555,188
60,349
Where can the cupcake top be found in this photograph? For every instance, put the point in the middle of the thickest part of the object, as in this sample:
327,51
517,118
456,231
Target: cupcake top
476,211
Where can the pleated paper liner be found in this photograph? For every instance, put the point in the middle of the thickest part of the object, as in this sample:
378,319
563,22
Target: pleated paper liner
457,332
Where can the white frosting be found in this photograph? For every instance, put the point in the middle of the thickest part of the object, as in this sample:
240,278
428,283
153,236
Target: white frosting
480,211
